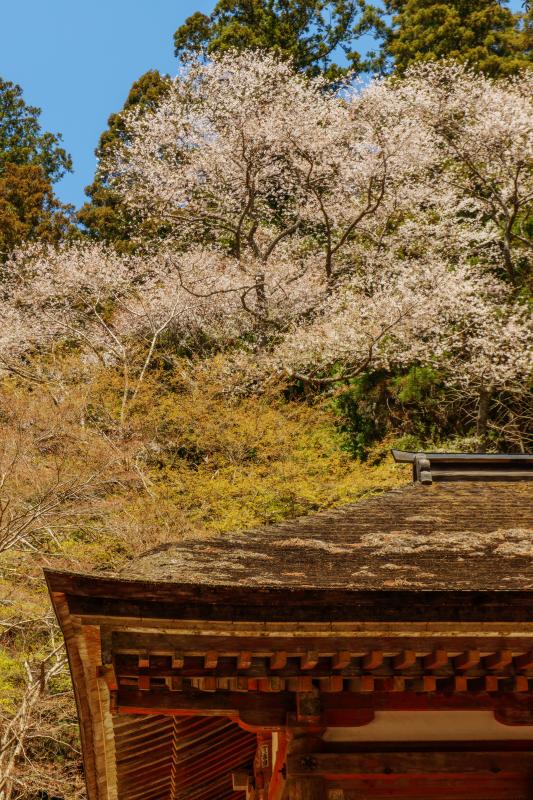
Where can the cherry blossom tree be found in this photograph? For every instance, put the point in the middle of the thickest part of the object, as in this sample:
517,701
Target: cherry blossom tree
245,153
482,134
82,295
320,234
402,310
489,357
115,309
248,154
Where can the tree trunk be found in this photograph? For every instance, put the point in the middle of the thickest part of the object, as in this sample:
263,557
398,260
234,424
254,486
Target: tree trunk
508,258
260,294
483,418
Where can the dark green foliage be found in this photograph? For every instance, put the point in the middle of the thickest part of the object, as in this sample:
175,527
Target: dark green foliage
415,410
314,33
105,217
310,32
21,139
361,421
412,404
29,211
30,162
483,33
415,385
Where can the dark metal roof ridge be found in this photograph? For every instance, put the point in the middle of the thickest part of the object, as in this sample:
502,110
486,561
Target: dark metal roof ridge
428,467
406,457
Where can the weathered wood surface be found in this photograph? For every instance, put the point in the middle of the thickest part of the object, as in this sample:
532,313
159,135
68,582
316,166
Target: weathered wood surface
437,787
373,672
305,788
163,757
130,638
270,710
336,765
131,601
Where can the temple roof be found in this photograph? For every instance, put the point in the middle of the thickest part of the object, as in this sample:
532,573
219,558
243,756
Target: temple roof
468,535
418,595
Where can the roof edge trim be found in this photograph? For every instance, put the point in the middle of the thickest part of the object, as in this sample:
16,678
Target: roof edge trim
429,467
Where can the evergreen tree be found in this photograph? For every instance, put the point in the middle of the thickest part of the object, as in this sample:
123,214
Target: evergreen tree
310,32
104,216
31,161
21,139
483,33
29,209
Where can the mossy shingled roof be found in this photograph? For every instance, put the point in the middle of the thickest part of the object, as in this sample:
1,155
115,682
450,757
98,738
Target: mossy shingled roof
463,536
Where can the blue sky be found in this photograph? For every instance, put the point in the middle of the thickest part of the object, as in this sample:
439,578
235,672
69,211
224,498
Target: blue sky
76,59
